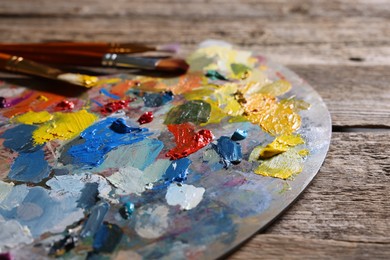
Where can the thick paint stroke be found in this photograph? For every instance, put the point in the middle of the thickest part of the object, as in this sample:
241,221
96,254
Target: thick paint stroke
64,126
19,138
186,196
187,140
157,99
95,219
229,150
99,139
29,167
107,238
176,172
195,111
31,118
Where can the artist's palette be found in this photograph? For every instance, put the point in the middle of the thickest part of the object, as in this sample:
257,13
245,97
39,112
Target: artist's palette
142,167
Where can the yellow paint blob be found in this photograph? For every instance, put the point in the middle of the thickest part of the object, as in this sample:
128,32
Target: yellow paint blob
31,118
279,145
295,104
43,98
276,88
282,166
64,126
88,81
227,101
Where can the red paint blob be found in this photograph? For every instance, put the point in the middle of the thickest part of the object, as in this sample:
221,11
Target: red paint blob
187,140
64,105
115,106
147,117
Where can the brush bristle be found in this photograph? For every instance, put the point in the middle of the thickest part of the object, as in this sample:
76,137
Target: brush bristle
79,79
172,65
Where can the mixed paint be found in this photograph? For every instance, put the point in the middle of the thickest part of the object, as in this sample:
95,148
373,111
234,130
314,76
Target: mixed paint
146,167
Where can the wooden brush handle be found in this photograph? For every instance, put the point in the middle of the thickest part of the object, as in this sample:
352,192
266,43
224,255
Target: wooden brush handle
65,57
96,47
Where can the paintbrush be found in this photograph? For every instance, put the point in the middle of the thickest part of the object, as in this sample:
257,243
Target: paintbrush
97,47
84,58
20,64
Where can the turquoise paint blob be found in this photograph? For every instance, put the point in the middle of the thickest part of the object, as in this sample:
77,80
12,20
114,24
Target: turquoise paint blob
99,139
127,210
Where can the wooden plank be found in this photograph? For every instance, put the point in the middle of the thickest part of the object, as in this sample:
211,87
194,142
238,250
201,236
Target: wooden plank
289,41
197,8
342,214
293,247
348,199
355,96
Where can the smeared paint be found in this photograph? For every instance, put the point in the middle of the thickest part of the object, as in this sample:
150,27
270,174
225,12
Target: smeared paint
195,111
31,118
19,139
151,221
29,167
5,188
157,99
112,107
187,140
145,118
239,135
40,210
108,94
107,238
127,210
186,196
64,105
64,126
128,181
99,139
13,234
95,219
138,155
229,150
282,166
279,145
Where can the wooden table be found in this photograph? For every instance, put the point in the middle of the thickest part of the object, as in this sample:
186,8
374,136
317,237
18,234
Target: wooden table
342,48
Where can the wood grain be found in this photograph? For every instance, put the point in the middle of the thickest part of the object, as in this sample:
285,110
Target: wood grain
341,47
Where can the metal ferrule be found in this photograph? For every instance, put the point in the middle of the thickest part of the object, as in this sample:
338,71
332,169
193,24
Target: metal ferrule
19,64
124,61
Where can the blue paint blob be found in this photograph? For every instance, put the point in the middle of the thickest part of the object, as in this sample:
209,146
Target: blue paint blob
121,127
108,94
107,238
157,99
29,167
95,219
229,150
20,138
239,135
99,139
177,171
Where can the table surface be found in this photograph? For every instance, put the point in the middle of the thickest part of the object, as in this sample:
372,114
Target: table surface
342,48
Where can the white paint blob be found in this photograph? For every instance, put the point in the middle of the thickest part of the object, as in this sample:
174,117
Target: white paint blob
151,221
13,234
186,196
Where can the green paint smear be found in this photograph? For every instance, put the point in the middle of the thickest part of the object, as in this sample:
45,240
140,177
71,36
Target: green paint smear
239,69
215,75
194,111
